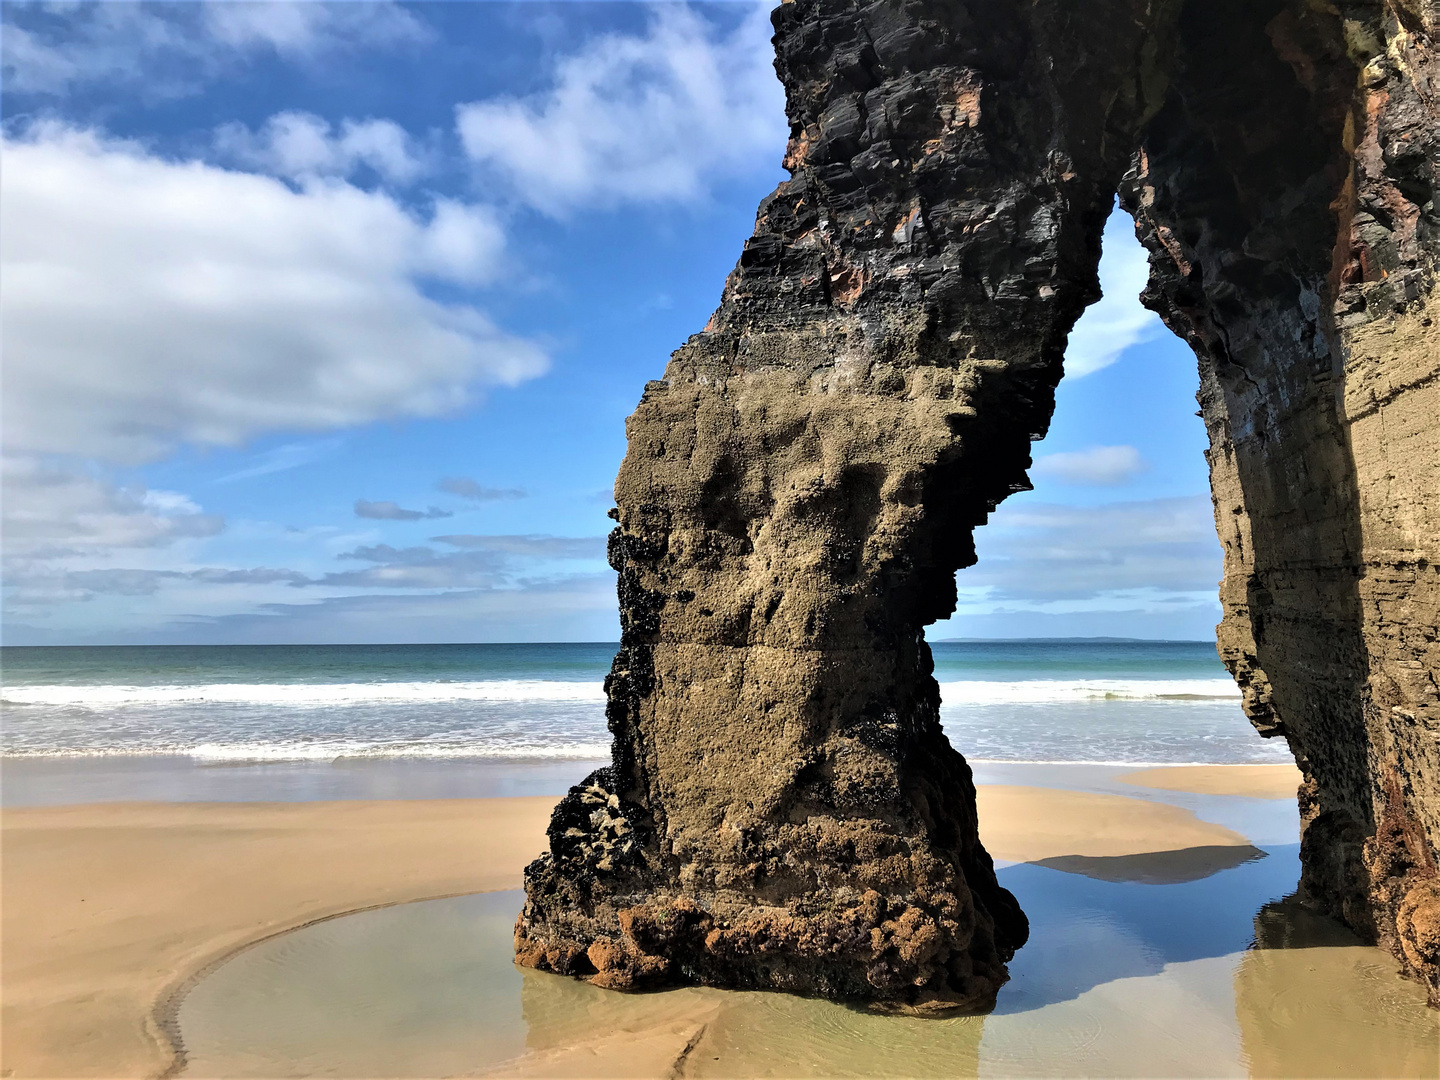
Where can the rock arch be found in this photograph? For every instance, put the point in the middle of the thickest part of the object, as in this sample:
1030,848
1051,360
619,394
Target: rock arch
783,809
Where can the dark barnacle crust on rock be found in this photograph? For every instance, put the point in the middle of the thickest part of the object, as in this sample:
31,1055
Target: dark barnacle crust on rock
783,809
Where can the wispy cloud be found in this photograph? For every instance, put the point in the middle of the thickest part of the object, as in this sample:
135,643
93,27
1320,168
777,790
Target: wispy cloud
168,49
574,608
389,511
1117,321
1042,555
531,546
482,561
467,488
303,146
282,459
1097,466
123,582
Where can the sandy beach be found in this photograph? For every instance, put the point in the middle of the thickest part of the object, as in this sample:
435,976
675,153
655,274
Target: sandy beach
109,908
1245,781
110,911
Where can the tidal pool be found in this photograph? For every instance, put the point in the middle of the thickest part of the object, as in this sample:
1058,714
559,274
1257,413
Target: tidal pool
1167,964
1127,973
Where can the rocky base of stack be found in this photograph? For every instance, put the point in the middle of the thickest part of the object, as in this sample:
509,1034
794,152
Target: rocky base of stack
597,910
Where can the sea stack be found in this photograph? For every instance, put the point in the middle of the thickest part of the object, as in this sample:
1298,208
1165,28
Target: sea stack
783,810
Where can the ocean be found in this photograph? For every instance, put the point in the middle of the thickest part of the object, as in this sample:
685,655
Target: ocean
1090,701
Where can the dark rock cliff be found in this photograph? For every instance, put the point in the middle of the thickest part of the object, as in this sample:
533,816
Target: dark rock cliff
783,809
1287,194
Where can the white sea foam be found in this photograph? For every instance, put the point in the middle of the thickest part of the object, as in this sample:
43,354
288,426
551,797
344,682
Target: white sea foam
1066,691
320,713
331,751
319,695
517,719
336,750
307,695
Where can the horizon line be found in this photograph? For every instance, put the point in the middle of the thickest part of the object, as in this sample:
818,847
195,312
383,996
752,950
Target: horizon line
1098,639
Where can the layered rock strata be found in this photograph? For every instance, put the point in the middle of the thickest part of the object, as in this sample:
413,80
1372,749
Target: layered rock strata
1287,194
783,810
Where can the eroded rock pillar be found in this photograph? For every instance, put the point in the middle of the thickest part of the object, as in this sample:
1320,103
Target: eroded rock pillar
1287,194
783,809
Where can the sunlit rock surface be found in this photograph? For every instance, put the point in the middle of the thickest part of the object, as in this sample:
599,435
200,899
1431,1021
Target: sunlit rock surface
783,810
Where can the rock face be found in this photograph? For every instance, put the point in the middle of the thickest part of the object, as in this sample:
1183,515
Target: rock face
1287,194
783,810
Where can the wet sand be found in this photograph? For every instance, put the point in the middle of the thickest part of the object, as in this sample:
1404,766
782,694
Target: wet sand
1104,989
1247,781
65,781
109,909
1028,824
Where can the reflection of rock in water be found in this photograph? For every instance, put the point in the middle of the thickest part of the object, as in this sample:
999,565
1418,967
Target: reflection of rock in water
574,1029
1293,924
766,1034
1313,1000
1157,867
697,1031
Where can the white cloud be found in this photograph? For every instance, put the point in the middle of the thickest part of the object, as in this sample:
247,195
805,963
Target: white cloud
63,529
463,243
393,511
52,512
303,146
282,459
1047,557
166,49
635,118
1098,466
468,488
305,27
149,303
579,607
1117,321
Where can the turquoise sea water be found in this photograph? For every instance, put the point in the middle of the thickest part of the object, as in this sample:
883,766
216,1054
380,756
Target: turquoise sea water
1089,701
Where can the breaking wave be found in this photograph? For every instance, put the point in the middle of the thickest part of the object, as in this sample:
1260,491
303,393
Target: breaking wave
307,695
556,720
519,691
1065,691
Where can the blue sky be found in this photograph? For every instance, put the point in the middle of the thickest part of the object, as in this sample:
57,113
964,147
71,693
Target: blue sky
322,322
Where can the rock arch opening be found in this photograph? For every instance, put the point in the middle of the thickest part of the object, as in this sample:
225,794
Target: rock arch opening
783,809
1116,539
